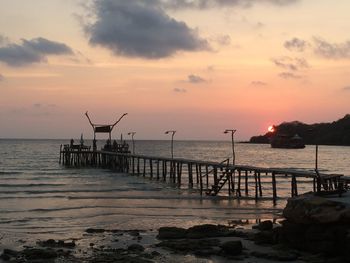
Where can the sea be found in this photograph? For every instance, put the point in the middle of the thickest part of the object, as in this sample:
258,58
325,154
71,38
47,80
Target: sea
40,198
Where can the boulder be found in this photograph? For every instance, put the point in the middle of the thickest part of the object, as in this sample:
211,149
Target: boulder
232,248
136,248
207,230
316,224
95,230
310,209
37,253
189,245
264,225
171,233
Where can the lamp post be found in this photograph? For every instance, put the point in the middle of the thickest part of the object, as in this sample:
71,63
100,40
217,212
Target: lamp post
172,142
133,142
316,157
316,151
233,144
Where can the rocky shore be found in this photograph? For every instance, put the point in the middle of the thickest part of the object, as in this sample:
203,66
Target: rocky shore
314,230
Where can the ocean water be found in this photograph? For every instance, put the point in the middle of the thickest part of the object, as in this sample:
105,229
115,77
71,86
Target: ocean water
39,197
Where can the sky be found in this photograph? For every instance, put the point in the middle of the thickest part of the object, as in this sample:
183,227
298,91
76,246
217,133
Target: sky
194,66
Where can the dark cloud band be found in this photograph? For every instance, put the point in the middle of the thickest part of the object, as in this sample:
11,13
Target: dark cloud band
205,4
31,51
136,28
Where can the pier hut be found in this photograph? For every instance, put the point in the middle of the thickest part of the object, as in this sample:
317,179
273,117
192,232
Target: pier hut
103,128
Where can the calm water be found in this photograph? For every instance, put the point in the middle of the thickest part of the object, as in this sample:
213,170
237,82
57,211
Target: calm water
39,197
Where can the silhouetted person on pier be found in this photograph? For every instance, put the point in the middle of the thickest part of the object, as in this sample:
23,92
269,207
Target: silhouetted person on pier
71,143
94,146
115,145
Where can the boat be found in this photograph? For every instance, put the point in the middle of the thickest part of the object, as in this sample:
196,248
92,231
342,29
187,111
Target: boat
287,141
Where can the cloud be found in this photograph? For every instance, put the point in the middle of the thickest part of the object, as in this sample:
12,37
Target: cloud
180,90
3,40
2,77
289,63
194,79
289,75
210,68
137,28
223,40
347,88
258,83
296,44
31,51
332,50
205,4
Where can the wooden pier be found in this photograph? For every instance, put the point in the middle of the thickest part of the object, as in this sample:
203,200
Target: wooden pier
210,178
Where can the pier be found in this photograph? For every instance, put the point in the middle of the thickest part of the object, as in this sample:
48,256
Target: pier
209,178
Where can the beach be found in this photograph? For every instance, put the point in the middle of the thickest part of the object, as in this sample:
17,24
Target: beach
42,200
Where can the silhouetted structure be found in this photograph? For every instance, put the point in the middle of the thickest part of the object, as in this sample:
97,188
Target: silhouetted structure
103,128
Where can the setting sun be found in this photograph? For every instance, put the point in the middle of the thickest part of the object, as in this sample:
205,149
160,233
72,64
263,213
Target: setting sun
271,128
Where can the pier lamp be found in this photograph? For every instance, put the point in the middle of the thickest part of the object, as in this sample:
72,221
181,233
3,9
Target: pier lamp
233,144
133,142
316,152
172,142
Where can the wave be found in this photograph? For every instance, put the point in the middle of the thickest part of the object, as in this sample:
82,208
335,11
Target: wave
141,207
10,172
29,185
29,192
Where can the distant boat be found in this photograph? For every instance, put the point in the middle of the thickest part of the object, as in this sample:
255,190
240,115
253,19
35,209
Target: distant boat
287,141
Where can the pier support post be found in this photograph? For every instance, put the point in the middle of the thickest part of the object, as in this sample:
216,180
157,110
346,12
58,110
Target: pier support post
151,167
274,188
259,182
239,184
158,169
246,183
144,167
190,175
256,185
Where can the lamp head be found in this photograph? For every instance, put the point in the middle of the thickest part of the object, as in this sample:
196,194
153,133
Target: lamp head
227,131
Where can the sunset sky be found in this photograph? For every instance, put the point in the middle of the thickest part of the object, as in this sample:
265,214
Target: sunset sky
198,67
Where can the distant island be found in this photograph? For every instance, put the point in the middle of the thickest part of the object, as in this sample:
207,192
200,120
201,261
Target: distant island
335,133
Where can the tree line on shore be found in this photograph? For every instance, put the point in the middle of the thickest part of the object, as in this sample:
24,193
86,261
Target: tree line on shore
334,133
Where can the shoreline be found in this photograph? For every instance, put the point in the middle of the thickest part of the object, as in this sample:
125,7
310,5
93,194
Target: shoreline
162,245
305,235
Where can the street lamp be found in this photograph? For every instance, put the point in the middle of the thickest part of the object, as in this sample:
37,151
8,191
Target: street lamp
133,142
316,152
233,144
172,142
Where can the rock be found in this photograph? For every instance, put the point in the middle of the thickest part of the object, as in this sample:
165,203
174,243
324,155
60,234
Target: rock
207,230
134,233
171,233
232,248
278,256
264,225
189,245
95,230
59,244
155,253
37,253
5,257
310,209
316,225
10,252
264,237
136,248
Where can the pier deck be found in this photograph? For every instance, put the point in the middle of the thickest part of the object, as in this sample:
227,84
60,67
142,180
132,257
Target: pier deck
208,177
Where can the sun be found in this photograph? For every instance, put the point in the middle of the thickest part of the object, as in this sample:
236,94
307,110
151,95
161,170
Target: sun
271,128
